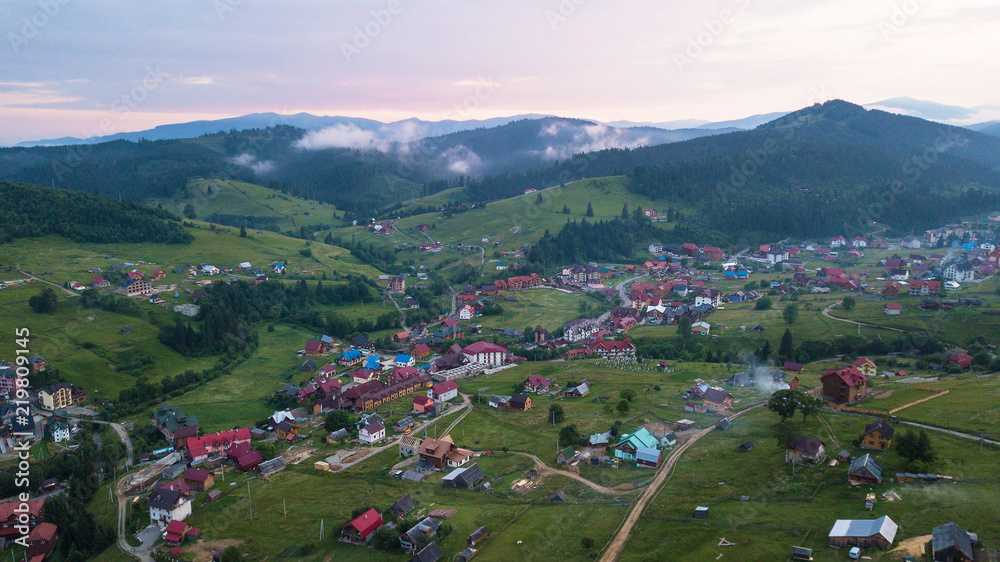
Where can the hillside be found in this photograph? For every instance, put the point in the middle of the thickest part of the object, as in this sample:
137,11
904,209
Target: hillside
32,211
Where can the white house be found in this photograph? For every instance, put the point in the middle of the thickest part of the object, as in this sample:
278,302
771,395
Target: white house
710,296
403,360
59,432
188,309
485,353
443,391
245,265
466,312
209,270
960,272
701,328
838,241
372,433
580,328
777,255
911,242
988,246
168,505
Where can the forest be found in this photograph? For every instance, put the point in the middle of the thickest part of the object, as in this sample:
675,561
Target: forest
31,211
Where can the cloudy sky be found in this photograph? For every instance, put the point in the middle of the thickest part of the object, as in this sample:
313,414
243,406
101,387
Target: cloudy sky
73,68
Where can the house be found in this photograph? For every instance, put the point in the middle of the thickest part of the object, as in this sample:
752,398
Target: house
893,308
443,453
419,533
623,350
520,402
949,543
362,376
286,430
409,444
863,533
176,426
710,296
628,445
430,553
350,358
361,343
466,478
443,391
877,435
477,536
199,480
273,466
422,403
485,353
701,328
420,351
177,532
166,505
372,433
467,312
717,399
402,506
403,360
134,287
60,396
866,366
100,282
566,456
806,450
41,541
864,470
648,457
397,284
13,513
188,309
360,530
536,383
578,391
579,329
845,385
793,367
216,444
963,360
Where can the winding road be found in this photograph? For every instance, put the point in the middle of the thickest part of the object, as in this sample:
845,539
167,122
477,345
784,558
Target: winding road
826,312
546,470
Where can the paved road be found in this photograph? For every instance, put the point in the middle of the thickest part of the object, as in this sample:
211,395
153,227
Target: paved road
119,429
618,542
826,312
621,290
402,322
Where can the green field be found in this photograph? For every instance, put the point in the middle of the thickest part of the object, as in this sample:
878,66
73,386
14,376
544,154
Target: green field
245,199
716,474
547,308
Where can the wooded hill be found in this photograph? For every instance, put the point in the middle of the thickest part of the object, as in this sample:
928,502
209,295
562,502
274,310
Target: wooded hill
31,211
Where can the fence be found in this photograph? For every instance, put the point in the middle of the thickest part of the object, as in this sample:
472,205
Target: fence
937,394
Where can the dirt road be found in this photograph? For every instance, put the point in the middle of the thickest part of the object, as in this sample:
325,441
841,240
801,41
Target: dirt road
614,549
545,470
826,312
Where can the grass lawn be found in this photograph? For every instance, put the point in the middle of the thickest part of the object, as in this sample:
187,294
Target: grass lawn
244,199
237,399
547,308
716,474
87,345
894,396
519,220
972,405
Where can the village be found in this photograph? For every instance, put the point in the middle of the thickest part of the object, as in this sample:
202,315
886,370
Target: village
357,401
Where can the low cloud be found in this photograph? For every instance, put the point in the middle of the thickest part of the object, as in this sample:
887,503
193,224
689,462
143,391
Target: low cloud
341,136
589,138
259,167
462,160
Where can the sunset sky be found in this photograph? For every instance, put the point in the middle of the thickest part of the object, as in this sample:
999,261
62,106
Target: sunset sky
101,67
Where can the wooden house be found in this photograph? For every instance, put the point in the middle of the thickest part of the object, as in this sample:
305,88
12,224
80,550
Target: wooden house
877,435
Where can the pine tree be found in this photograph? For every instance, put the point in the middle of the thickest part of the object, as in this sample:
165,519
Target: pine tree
786,349
625,212
539,200
565,209
243,231
590,210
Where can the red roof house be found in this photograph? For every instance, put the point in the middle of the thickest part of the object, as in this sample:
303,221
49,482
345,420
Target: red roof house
963,360
361,529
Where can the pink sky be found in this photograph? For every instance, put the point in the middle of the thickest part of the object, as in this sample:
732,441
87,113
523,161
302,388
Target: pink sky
632,60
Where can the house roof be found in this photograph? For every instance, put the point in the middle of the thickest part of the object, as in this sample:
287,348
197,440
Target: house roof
865,528
482,347
951,535
43,532
715,396
865,466
639,438
807,445
373,428
882,427
196,475
443,387
647,454
519,401
366,523
164,498
403,505
429,553
850,375
537,380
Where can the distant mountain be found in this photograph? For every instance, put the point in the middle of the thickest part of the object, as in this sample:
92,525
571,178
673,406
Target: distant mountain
987,128
405,130
746,122
932,111
728,126
805,174
669,125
